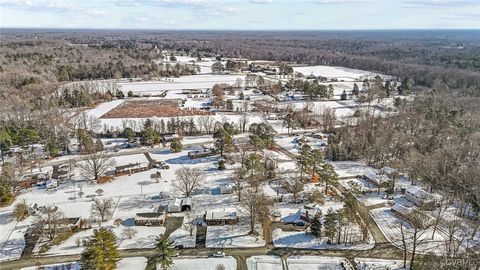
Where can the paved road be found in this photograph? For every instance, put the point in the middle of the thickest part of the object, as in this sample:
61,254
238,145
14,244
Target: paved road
240,254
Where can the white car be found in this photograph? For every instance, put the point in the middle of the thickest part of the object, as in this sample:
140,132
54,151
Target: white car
218,254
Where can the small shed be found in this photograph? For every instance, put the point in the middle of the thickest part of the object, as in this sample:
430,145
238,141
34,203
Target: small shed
180,205
155,218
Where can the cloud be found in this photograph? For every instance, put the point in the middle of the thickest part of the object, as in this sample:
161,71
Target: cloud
59,7
324,2
464,17
439,3
162,3
261,1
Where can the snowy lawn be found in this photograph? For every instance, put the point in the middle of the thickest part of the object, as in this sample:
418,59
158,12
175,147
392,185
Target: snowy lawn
389,223
351,168
132,263
232,236
317,262
264,263
301,240
378,264
204,263
144,238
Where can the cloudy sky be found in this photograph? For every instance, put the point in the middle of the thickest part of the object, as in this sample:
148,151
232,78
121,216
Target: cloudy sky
242,14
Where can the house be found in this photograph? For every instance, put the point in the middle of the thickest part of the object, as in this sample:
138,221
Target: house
221,217
170,138
131,168
309,211
420,197
51,183
180,205
409,213
155,218
376,179
205,152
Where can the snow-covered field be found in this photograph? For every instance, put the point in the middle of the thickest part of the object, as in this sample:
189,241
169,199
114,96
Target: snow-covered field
229,263
342,73
183,82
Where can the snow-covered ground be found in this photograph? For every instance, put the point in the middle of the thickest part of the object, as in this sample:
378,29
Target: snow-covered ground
299,239
229,263
264,263
172,84
341,73
232,236
132,263
351,168
138,123
378,264
389,223
12,242
317,262
144,238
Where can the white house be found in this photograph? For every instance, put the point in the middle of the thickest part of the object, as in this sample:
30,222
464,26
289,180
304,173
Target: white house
419,196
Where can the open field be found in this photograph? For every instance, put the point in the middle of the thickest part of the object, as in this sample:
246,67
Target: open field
148,109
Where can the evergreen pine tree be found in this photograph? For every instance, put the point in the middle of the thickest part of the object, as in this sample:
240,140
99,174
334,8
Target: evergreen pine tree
165,251
330,224
101,253
316,225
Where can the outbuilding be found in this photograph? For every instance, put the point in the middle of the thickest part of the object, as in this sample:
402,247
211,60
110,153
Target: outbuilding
221,217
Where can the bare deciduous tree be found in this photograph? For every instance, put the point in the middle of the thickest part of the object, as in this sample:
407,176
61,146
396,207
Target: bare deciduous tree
102,208
188,179
96,164
256,206
128,233
50,220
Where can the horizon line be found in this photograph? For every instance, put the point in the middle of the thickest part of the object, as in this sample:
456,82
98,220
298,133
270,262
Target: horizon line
241,30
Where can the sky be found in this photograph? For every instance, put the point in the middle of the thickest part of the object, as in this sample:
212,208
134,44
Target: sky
241,14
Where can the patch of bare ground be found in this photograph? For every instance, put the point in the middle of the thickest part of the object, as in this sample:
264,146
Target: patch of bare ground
146,109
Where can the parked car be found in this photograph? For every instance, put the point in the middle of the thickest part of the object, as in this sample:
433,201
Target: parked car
218,254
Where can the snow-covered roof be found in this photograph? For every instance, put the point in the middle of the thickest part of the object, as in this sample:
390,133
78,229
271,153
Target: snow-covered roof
401,209
223,214
420,193
379,179
387,170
